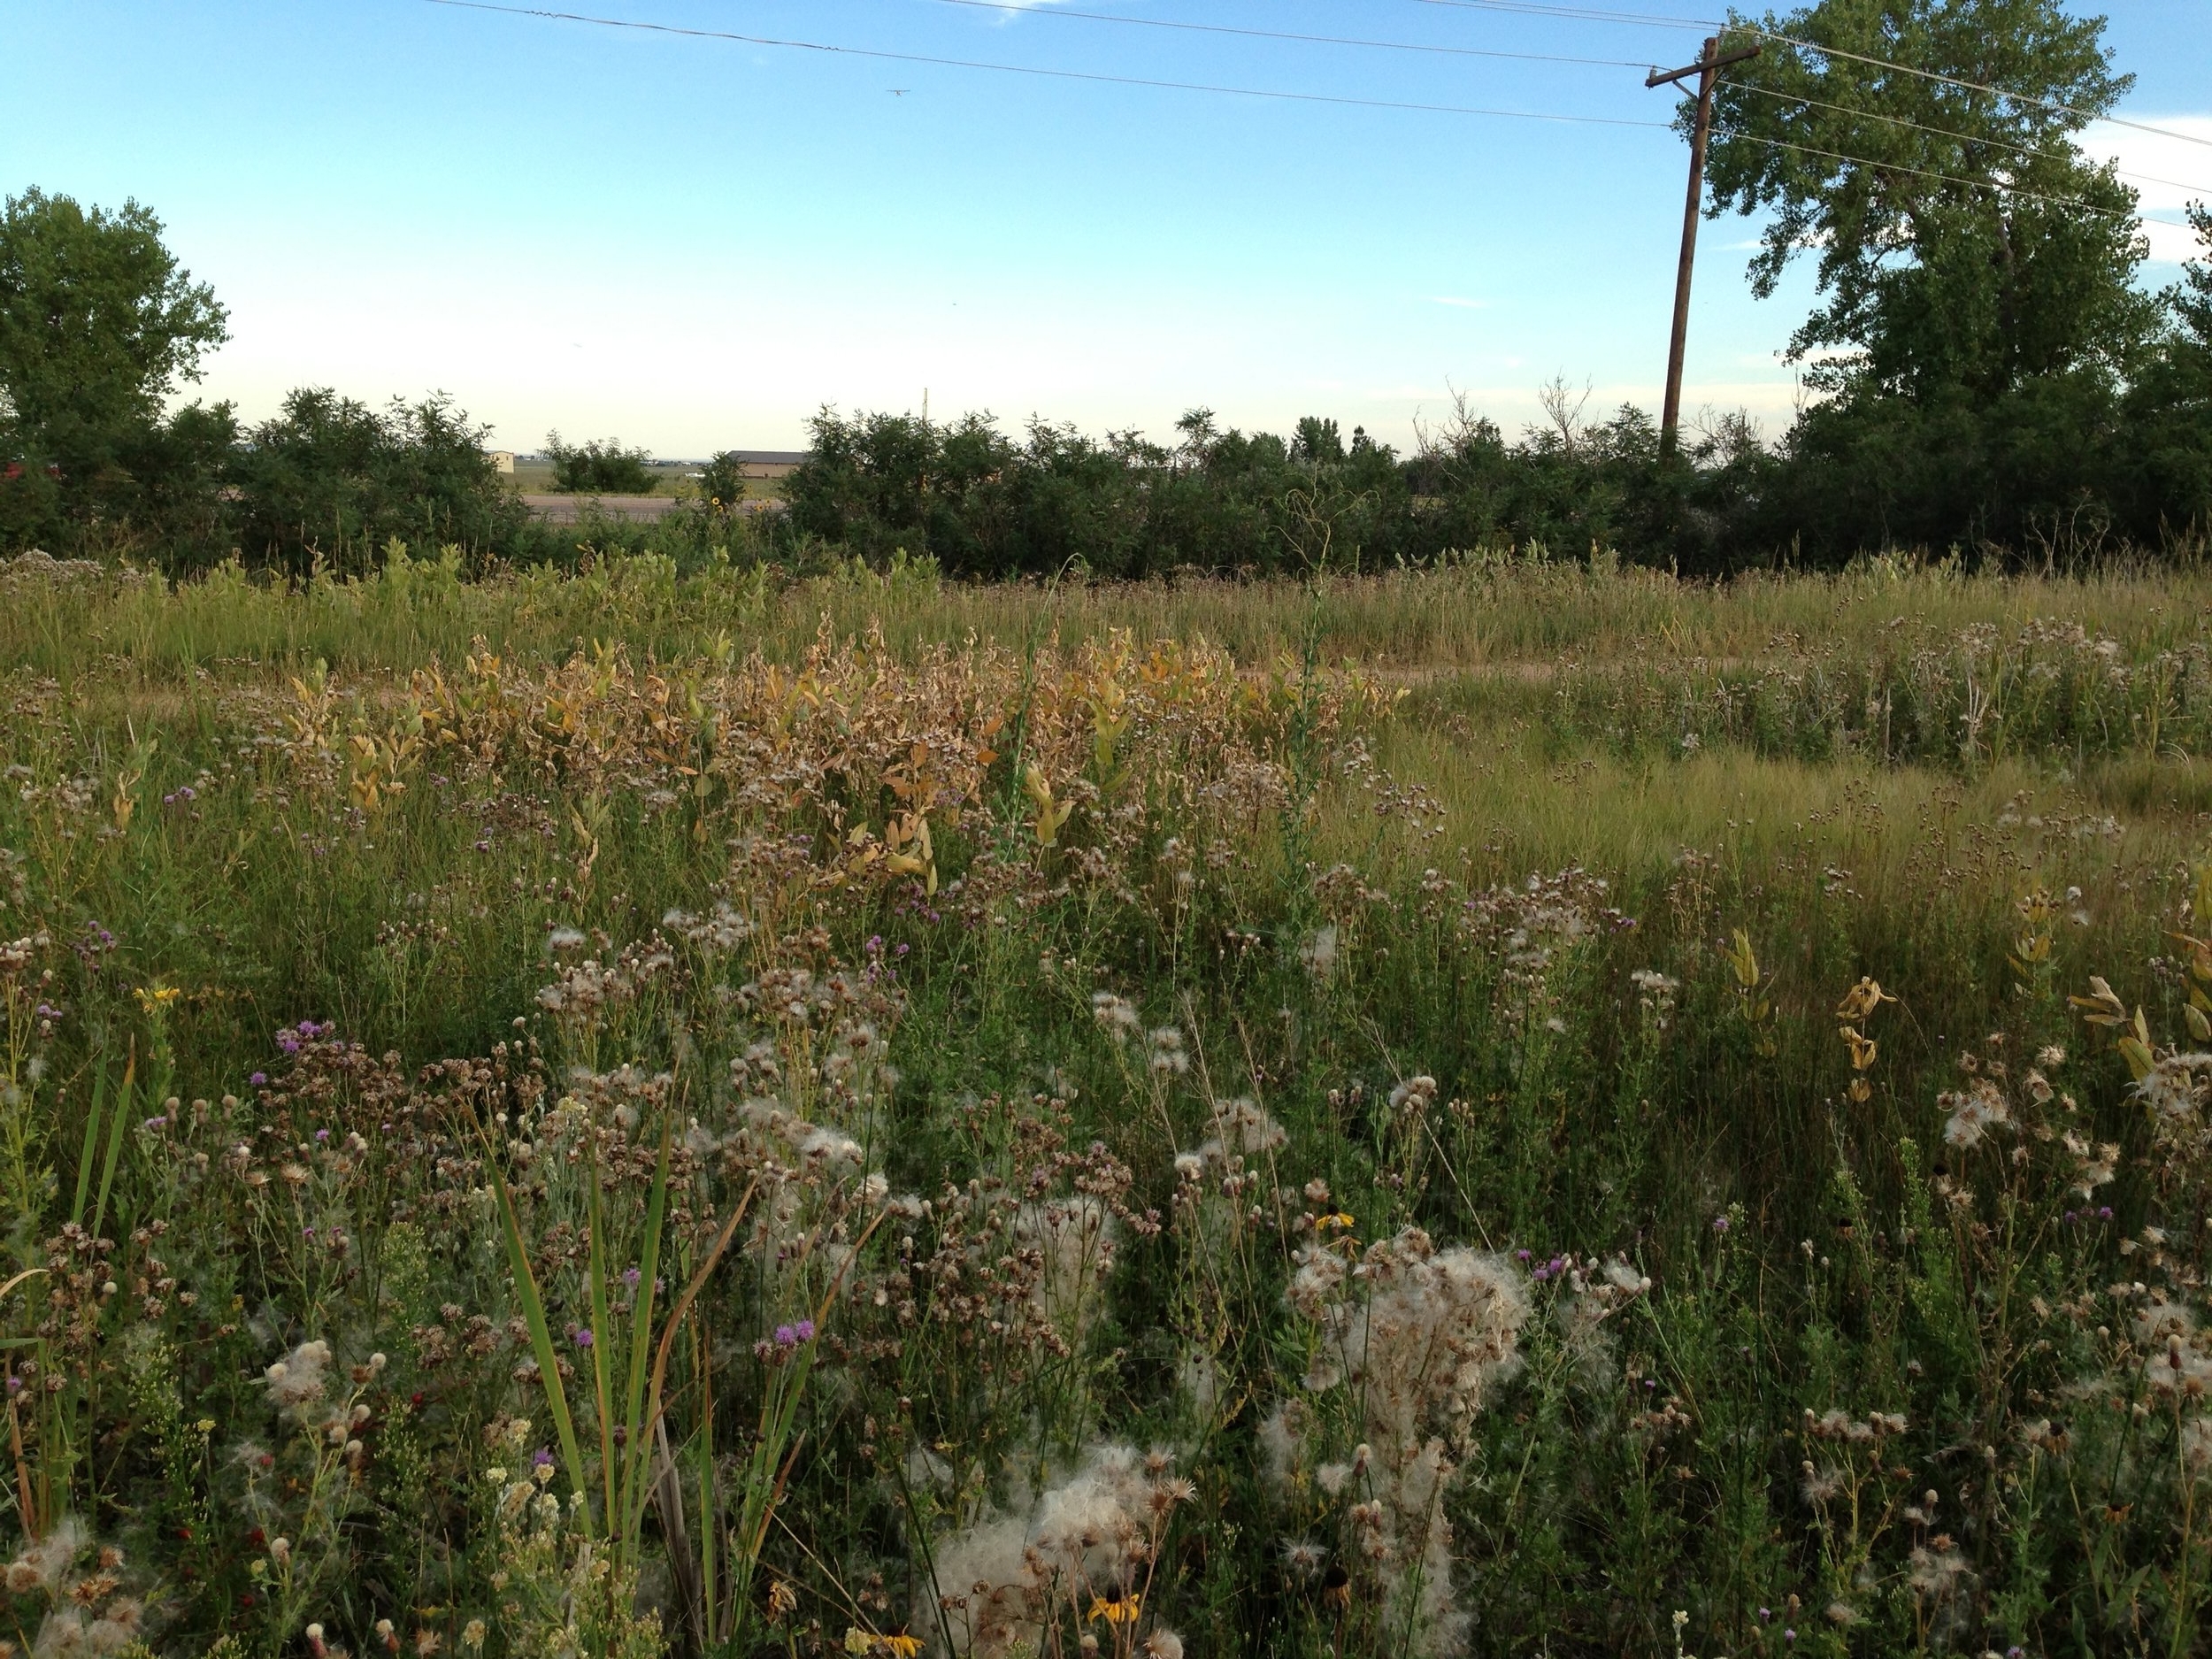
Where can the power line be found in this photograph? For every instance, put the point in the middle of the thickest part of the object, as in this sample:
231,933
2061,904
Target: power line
1980,86
1946,132
685,32
1005,6
1592,14
1031,69
1930,173
1586,14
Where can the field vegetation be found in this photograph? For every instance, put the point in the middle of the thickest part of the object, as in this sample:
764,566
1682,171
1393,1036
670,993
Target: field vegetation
1523,1107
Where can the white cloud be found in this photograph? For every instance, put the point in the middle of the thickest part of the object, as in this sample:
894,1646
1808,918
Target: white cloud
2167,174
2172,171
2172,244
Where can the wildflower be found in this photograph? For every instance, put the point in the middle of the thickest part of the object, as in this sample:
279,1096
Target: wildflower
1119,1612
1115,1014
2179,1371
298,1379
40,1566
1163,1644
583,1336
1318,953
473,1633
1973,1113
1820,1485
1938,1572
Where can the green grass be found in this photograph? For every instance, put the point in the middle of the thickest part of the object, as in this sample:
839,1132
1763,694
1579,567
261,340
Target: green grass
995,1017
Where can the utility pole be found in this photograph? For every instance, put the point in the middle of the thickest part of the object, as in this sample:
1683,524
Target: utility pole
1707,69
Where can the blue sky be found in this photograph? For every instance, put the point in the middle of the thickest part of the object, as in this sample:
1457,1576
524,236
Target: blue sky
692,243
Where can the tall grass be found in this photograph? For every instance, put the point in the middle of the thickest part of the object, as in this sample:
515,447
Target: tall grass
1494,613
1501,1110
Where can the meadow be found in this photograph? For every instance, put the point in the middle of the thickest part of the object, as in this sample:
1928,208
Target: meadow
1515,1109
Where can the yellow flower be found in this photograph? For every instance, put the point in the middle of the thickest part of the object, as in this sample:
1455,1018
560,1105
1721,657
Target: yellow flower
153,996
902,1646
1121,1612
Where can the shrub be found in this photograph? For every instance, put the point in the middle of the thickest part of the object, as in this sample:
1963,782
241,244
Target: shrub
599,468
333,480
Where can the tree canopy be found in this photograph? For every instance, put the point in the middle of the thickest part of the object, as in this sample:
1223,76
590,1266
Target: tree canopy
98,323
1962,240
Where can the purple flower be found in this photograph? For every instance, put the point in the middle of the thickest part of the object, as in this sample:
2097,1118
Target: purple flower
583,1336
286,1041
156,1123
542,1458
1522,1255
257,1079
2105,1214
322,1134
630,1277
806,1330
1720,1224
785,1337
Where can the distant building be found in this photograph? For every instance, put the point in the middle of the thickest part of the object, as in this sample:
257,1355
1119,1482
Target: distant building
768,463
501,460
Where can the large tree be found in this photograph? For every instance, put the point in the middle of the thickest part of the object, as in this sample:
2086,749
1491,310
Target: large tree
1964,244
98,326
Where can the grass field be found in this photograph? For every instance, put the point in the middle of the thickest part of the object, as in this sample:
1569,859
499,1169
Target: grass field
1519,1109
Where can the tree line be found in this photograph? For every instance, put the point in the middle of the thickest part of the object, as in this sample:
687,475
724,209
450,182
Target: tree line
1989,369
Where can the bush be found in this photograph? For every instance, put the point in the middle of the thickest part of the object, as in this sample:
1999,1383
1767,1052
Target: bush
332,479
595,468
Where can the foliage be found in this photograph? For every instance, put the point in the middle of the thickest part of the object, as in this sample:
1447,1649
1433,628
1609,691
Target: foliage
1963,240
98,324
599,468
332,479
868,1146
